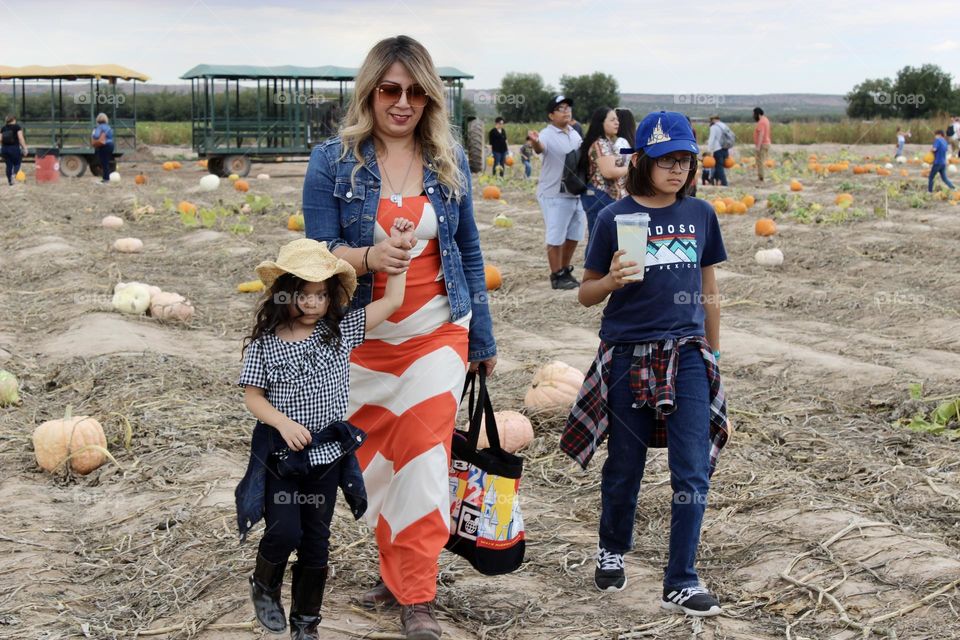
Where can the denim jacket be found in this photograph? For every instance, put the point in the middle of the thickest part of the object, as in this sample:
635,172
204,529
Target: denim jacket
344,214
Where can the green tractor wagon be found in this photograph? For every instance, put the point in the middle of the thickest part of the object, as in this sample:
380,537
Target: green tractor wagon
242,114
60,122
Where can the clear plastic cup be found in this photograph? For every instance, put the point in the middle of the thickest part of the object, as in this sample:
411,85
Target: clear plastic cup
632,238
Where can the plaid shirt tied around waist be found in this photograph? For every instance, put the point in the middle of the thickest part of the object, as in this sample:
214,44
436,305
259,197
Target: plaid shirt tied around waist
653,374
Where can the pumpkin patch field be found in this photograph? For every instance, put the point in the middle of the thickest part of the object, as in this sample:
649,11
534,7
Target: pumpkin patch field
833,512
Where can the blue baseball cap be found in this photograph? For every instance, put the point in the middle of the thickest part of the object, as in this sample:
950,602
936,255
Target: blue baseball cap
663,132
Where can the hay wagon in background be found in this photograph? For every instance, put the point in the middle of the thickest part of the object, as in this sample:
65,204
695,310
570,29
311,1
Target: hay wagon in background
58,107
241,114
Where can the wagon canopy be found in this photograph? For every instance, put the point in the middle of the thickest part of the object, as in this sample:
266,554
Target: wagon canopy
325,72
72,72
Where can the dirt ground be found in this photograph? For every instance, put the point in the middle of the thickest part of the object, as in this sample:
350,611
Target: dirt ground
826,516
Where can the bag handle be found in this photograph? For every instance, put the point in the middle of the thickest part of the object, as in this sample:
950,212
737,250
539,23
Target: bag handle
480,409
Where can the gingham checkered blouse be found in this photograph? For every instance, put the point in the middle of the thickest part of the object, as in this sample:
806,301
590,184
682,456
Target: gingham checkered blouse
307,380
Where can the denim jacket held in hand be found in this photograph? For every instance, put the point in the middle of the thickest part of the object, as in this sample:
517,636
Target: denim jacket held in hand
344,214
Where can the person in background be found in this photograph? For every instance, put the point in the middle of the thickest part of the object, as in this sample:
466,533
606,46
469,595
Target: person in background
628,128
575,125
498,146
953,135
526,157
563,216
939,166
604,166
901,140
761,139
13,147
102,141
715,147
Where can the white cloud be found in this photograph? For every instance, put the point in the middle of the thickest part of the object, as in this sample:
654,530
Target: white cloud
946,45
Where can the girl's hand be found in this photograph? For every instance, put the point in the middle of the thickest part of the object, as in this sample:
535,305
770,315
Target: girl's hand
404,229
391,256
295,435
620,270
533,135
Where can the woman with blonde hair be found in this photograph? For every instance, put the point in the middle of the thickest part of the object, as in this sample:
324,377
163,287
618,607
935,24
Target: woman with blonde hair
396,156
102,141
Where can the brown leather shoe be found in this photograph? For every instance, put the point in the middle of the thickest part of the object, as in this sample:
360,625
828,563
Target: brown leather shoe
379,597
417,622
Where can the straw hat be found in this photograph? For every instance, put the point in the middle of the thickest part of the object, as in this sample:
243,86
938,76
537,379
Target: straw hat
311,261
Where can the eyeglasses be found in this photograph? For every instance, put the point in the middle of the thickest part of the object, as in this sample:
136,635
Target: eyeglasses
669,162
390,93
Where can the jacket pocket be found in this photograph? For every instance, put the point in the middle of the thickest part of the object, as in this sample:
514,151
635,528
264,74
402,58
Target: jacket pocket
350,198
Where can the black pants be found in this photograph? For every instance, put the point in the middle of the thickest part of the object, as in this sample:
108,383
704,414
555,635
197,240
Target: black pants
298,514
12,157
105,156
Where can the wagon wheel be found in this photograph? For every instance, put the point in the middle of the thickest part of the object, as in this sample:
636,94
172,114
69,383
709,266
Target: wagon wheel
475,146
72,166
239,165
215,166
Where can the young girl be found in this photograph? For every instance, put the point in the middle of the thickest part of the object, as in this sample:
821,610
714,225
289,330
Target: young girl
296,379
655,381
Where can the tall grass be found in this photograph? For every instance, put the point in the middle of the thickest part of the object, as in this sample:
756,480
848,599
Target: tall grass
173,133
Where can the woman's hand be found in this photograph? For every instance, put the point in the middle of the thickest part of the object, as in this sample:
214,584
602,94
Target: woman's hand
616,278
295,435
488,365
391,256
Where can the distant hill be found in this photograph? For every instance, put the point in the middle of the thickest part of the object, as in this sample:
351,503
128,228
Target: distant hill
785,106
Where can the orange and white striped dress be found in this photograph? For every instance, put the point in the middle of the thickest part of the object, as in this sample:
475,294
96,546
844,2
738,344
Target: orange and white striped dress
406,380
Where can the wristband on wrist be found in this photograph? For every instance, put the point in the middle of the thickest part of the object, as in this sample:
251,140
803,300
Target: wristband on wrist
716,355
366,265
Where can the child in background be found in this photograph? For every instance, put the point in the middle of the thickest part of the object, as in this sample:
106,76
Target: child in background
939,166
655,381
296,378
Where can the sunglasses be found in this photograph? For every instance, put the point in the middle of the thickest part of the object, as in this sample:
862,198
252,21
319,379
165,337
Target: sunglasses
390,93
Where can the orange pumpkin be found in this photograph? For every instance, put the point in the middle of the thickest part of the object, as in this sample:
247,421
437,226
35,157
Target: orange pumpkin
554,388
493,277
79,438
176,165
843,200
168,166
728,201
513,428
903,173
795,185
202,163
928,157
749,201
295,222
491,192
719,206
509,161
709,162
729,162
241,185
738,207
765,227
140,179
186,207
770,163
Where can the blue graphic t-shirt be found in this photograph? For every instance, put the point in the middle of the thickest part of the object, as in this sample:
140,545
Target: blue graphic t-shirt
939,151
667,304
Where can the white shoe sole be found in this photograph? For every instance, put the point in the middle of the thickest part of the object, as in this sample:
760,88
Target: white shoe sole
611,589
670,606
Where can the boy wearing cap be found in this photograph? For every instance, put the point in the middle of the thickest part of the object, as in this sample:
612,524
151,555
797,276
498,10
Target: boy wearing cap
563,216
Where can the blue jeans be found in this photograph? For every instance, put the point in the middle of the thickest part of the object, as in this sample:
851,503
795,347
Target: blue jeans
593,205
899,150
941,170
12,157
105,157
527,168
719,175
499,160
688,457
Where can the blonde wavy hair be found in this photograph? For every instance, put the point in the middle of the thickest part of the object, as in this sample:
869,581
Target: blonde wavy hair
434,132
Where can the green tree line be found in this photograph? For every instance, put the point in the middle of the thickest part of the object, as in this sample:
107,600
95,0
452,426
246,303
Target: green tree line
916,92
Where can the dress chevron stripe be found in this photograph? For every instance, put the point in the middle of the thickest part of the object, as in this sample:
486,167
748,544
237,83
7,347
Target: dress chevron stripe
406,381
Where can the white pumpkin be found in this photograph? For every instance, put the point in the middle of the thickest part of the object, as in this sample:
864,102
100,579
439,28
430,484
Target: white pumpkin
168,305
901,159
888,166
209,182
128,245
131,297
9,389
114,177
555,386
263,176
513,428
769,257
111,222
951,168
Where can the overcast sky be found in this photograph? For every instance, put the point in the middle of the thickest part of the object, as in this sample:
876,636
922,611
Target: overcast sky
719,47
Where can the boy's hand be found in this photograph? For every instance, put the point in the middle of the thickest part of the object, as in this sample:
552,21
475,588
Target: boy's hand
404,229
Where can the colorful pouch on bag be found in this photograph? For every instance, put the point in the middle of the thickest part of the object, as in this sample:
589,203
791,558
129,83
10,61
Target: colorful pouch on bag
486,526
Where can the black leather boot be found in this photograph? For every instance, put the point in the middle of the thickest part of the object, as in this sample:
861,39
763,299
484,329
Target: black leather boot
308,586
265,586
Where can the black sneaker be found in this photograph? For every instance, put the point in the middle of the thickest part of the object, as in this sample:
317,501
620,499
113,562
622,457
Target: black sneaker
609,575
568,275
694,601
560,280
